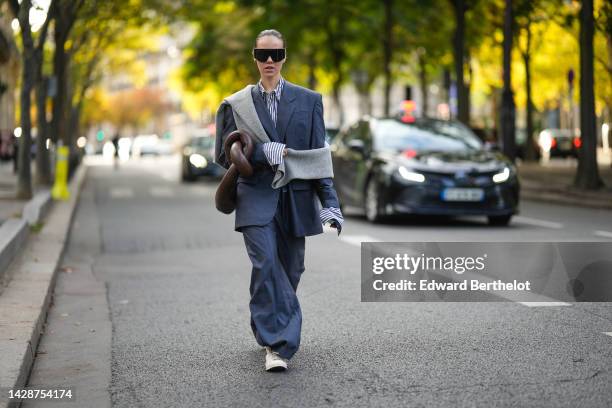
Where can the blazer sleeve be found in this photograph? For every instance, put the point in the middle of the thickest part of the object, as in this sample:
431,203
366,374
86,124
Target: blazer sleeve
225,125
324,186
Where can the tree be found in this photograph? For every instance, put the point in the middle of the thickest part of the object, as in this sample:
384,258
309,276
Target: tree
524,17
105,39
508,125
43,169
65,13
587,174
31,60
460,8
388,45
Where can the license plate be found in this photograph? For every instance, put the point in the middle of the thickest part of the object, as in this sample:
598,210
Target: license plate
462,194
565,145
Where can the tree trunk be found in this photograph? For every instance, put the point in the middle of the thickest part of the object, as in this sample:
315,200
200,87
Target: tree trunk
58,123
43,169
337,56
458,54
24,170
312,63
529,149
387,54
587,174
423,83
508,107
468,86
336,95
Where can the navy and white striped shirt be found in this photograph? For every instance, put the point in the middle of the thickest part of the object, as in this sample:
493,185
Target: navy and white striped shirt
272,98
274,150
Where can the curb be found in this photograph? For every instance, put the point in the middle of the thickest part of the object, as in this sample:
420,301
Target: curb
13,234
25,301
36,209
14,231
568,197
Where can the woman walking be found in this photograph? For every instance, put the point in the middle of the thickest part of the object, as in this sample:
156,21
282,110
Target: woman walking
275,221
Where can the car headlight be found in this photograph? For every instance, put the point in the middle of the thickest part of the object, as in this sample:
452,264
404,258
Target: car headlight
198,160
502,176
410,175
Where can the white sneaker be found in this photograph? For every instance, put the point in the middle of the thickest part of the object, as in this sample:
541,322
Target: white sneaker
274,362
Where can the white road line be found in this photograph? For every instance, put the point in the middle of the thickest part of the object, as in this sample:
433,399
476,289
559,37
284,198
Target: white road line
538,223
605,234
121,192
161,191
202,190
357,239
607,333
544,304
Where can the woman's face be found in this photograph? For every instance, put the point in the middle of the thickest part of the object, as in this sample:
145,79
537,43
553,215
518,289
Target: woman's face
269,69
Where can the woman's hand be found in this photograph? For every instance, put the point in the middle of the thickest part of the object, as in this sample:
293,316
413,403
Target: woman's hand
284,152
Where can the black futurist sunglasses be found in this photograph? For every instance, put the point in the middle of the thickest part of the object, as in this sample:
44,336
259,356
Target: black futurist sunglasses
262,54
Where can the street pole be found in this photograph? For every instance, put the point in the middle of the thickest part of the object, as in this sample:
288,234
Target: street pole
570,80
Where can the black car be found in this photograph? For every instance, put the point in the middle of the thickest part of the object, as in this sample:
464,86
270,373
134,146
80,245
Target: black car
198,156
428,166
559,143
330,133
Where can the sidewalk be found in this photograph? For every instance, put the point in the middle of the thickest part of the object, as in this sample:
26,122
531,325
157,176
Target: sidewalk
553,183
10,207
26,298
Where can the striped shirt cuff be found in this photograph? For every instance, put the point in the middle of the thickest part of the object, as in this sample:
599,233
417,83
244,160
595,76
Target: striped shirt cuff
330,214
274,152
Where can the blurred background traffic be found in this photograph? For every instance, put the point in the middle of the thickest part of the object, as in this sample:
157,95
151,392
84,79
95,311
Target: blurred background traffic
432,107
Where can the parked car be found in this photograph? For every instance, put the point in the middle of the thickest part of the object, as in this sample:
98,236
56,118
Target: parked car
429,166
330,134
521,145
559,142
145,145
198,154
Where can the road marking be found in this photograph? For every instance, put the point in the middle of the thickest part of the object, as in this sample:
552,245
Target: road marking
607,333
537,222
203,190
161,191
357,239
121,192
605,234
544,304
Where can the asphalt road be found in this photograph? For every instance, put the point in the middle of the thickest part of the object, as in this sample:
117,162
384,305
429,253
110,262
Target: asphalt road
174,278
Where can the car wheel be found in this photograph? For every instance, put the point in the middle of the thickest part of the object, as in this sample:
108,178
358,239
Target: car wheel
371,206
499,220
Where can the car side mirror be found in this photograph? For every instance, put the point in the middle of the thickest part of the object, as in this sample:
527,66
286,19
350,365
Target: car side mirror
357,145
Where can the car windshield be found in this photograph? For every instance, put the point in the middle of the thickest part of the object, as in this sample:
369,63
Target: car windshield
424,135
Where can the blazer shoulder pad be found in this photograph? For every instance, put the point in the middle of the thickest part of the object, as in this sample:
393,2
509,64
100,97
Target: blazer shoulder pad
309,93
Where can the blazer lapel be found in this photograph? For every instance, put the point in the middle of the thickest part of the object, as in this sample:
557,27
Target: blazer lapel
286,106
264,115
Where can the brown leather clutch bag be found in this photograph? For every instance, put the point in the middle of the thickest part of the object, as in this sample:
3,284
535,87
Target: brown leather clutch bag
238,147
